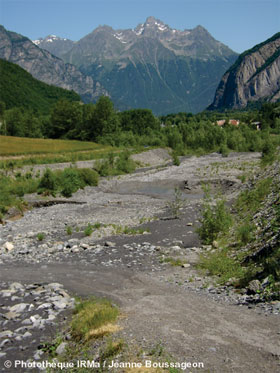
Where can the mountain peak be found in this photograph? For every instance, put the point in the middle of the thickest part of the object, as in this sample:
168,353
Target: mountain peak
54,44
152,22
48,39
104,28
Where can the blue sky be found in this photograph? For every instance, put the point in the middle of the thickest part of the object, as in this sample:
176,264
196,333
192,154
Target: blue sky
240,24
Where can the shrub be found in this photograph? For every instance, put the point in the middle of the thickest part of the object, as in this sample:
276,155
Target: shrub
97,225
177,203
220,264
90,177
88,230
40,236
103,167
175,158
48,181
69,230
115,166
124,164
224,150
268,153
215,219
249,200
70,182
245,233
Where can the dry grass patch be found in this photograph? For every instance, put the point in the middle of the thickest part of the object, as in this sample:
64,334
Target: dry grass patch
94,318
11,145
102,331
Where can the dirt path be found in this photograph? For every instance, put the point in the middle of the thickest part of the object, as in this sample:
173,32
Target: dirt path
189,324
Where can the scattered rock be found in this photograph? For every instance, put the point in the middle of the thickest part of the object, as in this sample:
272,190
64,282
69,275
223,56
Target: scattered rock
254,286
265,282
8,246
18,308
61,349
109,244
215,244
41,307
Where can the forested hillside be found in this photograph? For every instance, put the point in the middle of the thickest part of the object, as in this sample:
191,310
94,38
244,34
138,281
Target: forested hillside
18,88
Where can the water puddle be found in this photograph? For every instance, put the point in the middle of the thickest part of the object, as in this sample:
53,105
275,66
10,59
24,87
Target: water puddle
156,189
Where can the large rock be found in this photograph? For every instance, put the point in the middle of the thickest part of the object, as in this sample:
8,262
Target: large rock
19,308
254,286
8,246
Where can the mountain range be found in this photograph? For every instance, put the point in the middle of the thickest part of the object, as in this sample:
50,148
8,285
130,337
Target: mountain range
152,66
255,76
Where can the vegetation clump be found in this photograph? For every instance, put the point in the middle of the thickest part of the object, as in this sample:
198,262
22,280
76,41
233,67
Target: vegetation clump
67,181
216,219
93,318
88,230
41,236
115,164
176,204
250,249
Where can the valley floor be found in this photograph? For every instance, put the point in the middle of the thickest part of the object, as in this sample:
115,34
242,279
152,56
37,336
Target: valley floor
175,307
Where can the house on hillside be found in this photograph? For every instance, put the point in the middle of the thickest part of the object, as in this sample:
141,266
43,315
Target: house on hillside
233,122
257,125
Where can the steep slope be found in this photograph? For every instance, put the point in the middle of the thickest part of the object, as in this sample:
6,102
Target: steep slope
19,89
255,76
154,66
43,66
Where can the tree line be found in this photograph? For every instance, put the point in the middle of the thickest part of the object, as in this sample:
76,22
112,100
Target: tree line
183,132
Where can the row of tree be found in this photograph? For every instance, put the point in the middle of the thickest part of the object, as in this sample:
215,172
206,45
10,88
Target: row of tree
74,120
182,132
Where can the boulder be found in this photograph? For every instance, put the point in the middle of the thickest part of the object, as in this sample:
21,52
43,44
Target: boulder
254,286
61,348
8,246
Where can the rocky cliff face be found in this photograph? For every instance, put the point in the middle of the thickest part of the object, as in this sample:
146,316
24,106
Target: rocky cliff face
46,67
255,76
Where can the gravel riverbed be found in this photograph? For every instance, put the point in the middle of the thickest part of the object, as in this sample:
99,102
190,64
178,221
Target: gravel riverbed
42,268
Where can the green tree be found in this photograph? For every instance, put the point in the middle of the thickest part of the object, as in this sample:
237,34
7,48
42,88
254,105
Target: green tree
3,129
104,119
14,122
139,121
32,125
66,119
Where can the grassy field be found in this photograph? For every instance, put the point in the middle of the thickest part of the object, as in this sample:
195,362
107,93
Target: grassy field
12,146
16,152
